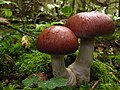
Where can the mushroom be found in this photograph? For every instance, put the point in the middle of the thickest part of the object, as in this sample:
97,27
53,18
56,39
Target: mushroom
86,26
59,41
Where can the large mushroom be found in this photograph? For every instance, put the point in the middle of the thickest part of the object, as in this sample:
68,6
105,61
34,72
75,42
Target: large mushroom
86,26
59,41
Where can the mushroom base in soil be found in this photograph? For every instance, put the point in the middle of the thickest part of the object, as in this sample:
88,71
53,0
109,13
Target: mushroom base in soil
59,69
59,41
86,26
82,64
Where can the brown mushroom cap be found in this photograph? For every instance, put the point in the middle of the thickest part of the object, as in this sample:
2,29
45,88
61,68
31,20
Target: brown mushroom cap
90,24
58,40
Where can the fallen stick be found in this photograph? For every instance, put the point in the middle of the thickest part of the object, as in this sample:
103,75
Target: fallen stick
95,84
26,33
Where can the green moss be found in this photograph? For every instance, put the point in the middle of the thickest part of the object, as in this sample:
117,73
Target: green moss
105,73
34,62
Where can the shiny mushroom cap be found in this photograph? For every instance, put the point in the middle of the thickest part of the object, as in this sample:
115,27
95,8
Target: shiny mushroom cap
90,24
57,40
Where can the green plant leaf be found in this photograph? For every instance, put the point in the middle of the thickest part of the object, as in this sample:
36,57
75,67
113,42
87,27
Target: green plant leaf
8,12
28,82
53,83
59,81
50,84
1,2
35,78
42,85
67,10
5,2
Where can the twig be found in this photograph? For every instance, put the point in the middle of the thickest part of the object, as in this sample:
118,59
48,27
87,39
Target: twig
117,42
95,84
8,26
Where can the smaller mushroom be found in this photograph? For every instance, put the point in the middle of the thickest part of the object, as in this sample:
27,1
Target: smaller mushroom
59,41
86,26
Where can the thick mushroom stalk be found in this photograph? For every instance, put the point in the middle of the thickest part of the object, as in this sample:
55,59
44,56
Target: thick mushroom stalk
86,26
59,41
82,64
59,70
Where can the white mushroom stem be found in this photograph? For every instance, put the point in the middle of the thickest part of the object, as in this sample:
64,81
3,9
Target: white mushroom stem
82,64
59,70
